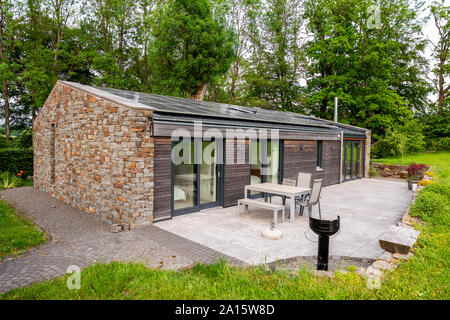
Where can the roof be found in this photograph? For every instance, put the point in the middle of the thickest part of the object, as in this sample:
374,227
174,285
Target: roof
173,109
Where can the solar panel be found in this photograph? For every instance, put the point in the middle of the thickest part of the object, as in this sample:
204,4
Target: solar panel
180,106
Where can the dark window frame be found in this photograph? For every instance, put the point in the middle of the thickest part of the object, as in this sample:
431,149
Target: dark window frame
319,155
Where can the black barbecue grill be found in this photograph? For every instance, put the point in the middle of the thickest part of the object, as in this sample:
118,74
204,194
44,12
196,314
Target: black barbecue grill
324,229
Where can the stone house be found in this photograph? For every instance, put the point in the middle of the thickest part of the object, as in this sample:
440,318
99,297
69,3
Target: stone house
109,152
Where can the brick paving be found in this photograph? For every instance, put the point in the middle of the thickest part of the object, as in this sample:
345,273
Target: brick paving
82,239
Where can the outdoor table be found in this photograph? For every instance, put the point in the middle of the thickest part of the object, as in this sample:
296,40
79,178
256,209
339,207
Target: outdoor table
290,192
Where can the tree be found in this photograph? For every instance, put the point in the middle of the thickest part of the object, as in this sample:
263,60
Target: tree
191,48
9,29
441,15
278,58
371,66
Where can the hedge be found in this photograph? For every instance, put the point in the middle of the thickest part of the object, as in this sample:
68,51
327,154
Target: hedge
16,160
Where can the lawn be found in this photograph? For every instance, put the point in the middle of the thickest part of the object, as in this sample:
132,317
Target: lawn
17,234
439,161
425,276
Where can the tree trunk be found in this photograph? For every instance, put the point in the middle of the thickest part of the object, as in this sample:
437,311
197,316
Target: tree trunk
200,94
6,98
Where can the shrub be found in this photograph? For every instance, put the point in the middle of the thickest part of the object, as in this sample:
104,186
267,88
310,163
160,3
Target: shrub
9,180
373,172
3,142
424,182
16,160
25,139
428,204
382,149
438,188
416,169
442,144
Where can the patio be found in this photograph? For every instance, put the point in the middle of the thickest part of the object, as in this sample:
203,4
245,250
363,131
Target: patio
367,207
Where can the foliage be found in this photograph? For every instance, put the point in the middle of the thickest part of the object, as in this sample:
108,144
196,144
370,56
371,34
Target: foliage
428,204
4,143
442,144
441,16
362,63
25,139
9,180
438,188
400,140
191,48
415,169
373,172
425,182
17,234
16,160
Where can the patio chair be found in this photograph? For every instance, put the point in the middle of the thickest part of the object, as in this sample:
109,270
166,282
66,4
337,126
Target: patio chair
287,182
312,199
304,181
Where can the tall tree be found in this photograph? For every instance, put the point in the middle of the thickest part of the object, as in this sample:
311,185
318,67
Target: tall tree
358,52
191,48
9,28
279,56
441,16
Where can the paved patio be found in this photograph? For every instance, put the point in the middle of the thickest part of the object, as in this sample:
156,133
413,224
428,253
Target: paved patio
367,207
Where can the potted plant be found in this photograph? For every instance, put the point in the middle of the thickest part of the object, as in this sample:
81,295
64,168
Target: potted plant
413,180
415,173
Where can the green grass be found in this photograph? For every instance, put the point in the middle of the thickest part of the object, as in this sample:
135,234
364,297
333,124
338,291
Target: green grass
425,276
17,234
439,161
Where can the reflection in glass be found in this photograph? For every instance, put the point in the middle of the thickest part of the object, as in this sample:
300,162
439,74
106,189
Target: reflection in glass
208,176
273,161
185,176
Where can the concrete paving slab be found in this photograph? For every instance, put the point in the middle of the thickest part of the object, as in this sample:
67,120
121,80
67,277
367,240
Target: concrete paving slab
367,207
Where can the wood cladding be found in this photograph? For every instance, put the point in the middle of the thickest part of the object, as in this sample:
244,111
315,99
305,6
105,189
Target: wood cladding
163,176
301,156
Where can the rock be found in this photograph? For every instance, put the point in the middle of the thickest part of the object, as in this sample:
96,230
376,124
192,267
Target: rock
114,228
382,265
362,272
385,256
403,174
124,226
399,239
373,272
274,234
402,256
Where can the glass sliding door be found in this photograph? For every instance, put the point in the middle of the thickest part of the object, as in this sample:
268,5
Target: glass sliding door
208,173
184,176
353,159
196,176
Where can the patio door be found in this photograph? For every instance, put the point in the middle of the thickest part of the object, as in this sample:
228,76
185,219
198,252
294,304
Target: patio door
353,160
197,175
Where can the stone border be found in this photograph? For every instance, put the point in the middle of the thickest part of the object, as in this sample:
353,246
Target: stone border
388,261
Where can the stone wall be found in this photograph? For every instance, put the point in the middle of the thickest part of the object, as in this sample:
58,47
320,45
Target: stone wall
96,156
367,153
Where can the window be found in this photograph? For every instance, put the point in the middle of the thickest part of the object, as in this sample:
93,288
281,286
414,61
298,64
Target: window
319,154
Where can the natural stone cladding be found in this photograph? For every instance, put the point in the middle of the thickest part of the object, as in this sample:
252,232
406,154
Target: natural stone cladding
95,155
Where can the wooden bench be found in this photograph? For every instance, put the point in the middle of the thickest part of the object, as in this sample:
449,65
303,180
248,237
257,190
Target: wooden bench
262,204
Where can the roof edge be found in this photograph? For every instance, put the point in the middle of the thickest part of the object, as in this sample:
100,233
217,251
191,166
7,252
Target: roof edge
107,96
